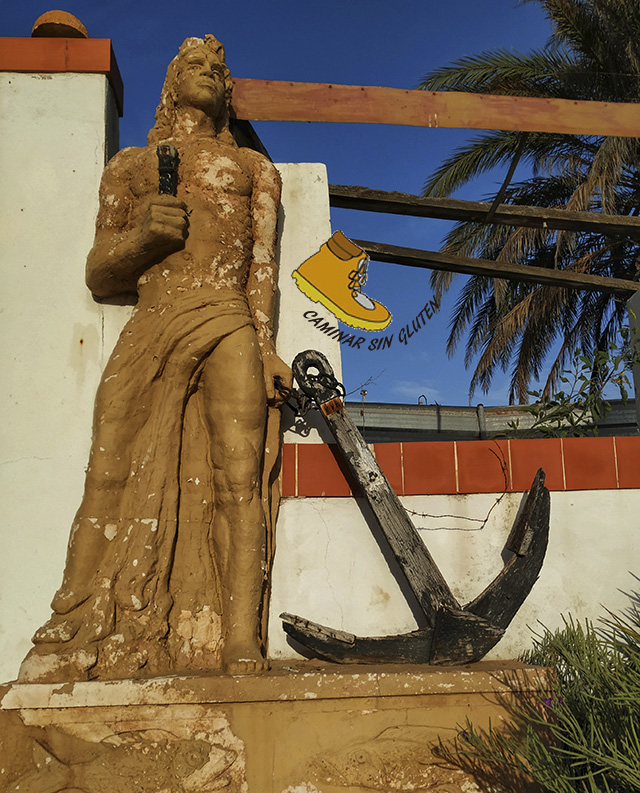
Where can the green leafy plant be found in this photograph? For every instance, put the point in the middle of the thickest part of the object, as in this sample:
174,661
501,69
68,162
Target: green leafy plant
580,405
581,730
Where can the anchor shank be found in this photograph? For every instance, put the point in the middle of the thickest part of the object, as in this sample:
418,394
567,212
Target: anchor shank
418,566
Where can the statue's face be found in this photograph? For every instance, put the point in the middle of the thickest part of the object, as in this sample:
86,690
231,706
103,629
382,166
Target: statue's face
200,82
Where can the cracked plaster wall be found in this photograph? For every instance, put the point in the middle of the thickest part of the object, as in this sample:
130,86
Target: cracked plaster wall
329,568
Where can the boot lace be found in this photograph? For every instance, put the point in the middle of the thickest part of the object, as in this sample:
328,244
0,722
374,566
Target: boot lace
358,277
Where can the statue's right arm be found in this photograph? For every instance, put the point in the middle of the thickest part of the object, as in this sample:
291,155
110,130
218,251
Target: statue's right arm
132,234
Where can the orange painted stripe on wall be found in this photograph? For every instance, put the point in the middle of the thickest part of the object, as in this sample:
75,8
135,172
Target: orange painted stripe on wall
429,468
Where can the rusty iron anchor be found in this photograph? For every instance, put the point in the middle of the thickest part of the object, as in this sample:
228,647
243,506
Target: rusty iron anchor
454,634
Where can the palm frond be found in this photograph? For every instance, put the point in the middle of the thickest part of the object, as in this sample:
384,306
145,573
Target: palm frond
502,72
594,53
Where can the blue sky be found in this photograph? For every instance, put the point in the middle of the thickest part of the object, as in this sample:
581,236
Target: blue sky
358,42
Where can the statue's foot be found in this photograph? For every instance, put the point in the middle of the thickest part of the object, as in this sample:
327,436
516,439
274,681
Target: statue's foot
57,667
66,599
57,630
243,658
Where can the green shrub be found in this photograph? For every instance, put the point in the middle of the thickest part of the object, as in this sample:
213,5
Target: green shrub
580,405
582,731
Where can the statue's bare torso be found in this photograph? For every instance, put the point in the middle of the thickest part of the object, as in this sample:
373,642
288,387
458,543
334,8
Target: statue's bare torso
218,254
216,183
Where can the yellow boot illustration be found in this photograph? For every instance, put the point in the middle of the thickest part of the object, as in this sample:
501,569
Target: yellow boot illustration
334,276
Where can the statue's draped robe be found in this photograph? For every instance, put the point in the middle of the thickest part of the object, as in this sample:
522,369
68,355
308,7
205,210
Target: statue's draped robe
154,598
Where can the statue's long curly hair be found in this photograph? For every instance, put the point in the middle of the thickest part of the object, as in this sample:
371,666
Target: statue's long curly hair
166,110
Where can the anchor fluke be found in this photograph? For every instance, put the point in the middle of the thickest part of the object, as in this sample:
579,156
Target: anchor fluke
345,648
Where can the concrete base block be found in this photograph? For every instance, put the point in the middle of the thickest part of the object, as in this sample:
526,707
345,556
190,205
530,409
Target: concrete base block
300,728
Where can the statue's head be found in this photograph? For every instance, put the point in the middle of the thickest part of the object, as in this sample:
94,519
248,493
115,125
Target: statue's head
187,85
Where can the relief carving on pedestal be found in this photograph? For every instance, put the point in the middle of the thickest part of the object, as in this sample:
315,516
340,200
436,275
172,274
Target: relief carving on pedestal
398,758
135,761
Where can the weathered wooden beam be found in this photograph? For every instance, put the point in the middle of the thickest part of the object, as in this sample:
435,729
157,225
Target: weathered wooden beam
432,260
274,100
362,198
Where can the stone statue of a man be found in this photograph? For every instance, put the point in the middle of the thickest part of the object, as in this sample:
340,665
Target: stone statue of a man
170,550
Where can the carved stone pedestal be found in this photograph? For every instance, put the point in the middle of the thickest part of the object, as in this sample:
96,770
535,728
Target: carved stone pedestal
300,728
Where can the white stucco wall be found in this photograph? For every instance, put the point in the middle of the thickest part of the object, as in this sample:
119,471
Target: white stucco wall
328,567
52,152
304,225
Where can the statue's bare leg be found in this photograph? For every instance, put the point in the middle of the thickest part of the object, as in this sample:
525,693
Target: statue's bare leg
88,542
234,396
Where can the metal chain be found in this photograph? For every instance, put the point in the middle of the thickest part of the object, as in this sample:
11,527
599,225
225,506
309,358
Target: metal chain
328,381
302,402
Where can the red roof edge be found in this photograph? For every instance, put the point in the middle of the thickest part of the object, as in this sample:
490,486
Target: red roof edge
89,56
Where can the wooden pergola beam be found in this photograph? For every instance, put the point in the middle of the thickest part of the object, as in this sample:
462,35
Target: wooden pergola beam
273,100
362,198
269,100
432,260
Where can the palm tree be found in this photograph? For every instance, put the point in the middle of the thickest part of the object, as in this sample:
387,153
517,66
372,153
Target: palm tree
593,54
